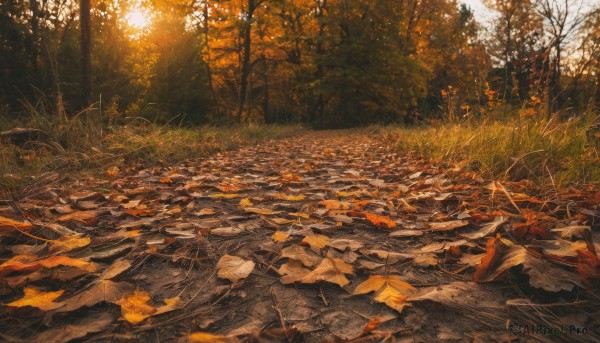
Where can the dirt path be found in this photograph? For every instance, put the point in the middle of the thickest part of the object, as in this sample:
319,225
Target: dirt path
302,223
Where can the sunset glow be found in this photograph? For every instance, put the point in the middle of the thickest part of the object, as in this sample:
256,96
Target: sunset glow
138,18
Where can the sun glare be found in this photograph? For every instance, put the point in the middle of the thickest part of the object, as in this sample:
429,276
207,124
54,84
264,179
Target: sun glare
138,18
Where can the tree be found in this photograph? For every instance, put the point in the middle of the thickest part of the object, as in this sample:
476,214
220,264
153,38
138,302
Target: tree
86,66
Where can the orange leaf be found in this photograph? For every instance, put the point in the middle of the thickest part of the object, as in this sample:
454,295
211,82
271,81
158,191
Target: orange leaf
35,298
81,216
22,263
335,205
9,224
495,250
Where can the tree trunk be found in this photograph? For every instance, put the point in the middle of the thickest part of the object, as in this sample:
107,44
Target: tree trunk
206,32
245,68
86,67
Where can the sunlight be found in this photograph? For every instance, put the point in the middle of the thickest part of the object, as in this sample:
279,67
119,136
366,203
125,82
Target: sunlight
138,18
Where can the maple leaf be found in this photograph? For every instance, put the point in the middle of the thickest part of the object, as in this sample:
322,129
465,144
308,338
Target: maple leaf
382,222
298,253
331,270
317,242
135,307
36,298
234,268
390,290
10,224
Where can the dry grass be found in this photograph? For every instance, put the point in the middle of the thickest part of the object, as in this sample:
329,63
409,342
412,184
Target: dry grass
544,151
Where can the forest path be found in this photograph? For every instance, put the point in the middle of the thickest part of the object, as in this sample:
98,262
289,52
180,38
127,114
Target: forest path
284,235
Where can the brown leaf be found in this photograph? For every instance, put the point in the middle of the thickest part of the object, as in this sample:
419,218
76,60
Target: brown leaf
390,290
447,226
298,253
234,268
279,236
81,216
316,242
293,271
95,322
99,291
487,229
330,270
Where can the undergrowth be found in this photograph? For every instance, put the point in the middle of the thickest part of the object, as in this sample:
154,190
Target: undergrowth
88,142
544,151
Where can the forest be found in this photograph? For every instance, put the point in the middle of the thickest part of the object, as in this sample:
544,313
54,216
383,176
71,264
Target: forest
328,171
325,63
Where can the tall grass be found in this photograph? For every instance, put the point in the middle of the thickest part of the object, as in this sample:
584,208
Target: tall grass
522,148
88,141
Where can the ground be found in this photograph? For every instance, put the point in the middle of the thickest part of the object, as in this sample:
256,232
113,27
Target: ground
274,242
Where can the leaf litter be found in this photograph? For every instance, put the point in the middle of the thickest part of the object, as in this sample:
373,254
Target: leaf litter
297,241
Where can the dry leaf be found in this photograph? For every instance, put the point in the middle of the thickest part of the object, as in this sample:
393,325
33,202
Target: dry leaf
36,298
291,197
246,202
293,271
296,252
23,263
487,229
279,236
9,224
447,226
316,242
234,268
331,270
65,244
335,205
101,290
263,211
203,337
390,290
80,216
135,307
95,322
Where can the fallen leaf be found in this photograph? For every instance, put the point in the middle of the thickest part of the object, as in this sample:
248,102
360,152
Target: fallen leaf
246,202
316,242
95,322
65,244
459,293
9,224
335,205
36,298
279,236
500,256
390,290
99,291
257,210
382,222
135,307
486,229
298,197
343,244
234,268
387,256
447,226
80,216
296,252
203,337
225,196
23,263
293,271
331,270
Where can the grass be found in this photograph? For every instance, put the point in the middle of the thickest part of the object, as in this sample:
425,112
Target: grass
540,150
86,143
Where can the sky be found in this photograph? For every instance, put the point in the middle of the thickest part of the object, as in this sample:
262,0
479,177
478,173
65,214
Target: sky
481,12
